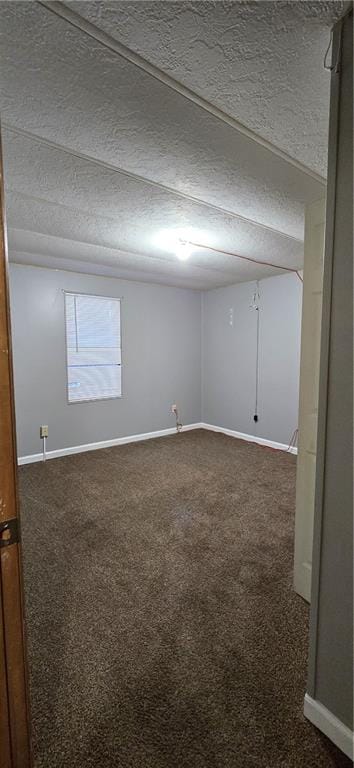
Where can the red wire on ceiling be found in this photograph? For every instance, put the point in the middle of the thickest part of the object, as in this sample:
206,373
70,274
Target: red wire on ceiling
246,258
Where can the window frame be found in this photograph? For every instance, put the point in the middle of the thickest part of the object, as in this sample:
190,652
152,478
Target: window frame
93,296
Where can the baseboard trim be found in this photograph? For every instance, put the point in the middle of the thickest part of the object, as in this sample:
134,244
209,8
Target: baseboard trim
302,579
250,438
333,728
34,457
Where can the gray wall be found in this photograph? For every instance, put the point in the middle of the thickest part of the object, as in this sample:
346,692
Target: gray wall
163,343
331,636
229,357
161,359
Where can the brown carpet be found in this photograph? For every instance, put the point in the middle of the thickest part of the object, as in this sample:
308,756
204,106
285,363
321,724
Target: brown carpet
163,629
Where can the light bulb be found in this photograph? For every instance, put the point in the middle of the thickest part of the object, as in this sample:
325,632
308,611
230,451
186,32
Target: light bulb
183,250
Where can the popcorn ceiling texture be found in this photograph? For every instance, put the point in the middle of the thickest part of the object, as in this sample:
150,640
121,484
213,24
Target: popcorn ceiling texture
75,200
261,62
63,86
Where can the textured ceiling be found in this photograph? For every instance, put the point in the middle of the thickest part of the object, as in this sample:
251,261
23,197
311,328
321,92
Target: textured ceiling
101,154
261,62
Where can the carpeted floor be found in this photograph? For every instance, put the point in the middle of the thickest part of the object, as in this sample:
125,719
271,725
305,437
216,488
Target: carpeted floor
163,630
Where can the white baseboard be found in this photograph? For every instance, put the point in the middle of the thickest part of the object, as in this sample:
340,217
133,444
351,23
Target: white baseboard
250,438
303,579
31,459
147,436
333,728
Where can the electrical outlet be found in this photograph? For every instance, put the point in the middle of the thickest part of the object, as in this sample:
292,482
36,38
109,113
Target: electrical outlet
173,408
43,430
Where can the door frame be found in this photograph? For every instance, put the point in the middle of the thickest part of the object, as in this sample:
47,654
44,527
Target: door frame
315,217
14,710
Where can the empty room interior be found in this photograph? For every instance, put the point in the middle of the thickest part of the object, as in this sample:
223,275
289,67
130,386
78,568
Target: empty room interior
179,291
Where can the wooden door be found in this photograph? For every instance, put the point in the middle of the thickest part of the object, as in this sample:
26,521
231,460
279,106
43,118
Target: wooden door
14,710
309,392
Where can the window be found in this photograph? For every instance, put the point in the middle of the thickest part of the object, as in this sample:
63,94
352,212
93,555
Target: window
93,347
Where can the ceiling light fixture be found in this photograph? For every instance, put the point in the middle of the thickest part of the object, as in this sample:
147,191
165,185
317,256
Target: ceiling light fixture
183,242
183,249
178,241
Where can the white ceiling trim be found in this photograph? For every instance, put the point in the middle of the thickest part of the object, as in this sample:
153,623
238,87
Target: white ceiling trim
76,20
143,179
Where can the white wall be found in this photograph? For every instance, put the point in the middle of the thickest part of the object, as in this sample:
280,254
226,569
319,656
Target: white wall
160,352
229,357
